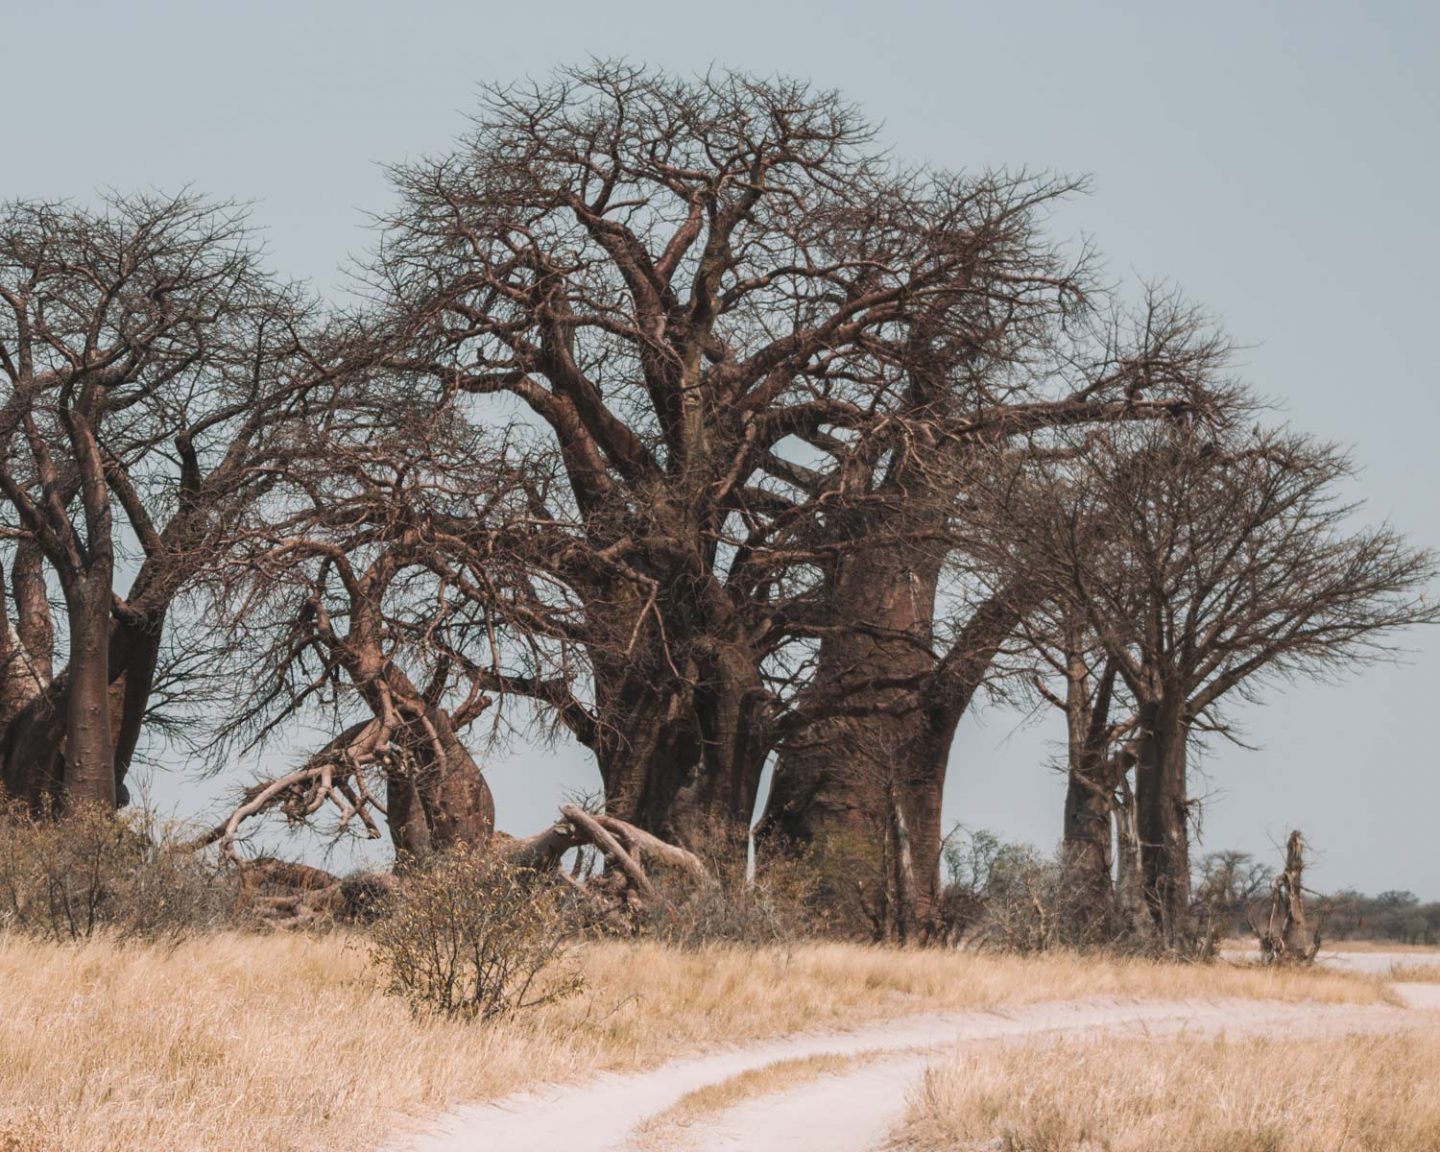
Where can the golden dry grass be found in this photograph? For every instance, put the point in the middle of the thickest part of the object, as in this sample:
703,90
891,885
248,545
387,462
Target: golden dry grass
1376,946
666,1130
1416,973
1348,1094
1248,944
288,1043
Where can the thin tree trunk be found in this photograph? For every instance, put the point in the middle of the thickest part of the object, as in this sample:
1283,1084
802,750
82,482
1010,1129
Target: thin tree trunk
1129,878
906,908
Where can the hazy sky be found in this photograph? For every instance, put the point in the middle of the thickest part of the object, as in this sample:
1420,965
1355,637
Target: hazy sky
1278,162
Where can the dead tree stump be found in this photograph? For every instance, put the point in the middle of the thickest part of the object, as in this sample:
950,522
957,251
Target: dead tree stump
1287,937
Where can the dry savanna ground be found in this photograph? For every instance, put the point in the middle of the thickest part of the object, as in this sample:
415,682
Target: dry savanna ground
289,1042
1341,1094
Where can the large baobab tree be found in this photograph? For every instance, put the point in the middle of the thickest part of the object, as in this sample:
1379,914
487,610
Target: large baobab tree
697,295
146,358
1207,561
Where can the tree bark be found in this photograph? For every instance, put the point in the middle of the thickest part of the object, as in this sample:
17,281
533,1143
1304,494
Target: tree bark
646,746
828,796
1087,855
1087,909
898,737
33,747
732,722
89,775
1162,816
436,796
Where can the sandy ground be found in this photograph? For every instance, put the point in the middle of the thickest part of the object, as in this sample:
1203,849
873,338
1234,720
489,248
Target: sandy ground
854,1110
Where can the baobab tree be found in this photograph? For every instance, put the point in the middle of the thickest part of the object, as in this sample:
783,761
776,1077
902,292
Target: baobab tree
381,574
1208,561
698,295
147,356
1057,660
894,675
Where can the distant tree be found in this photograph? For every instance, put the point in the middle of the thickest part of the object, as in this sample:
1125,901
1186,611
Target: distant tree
1229,884
1208,561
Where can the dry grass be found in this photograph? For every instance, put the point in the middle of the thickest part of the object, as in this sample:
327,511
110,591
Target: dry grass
1351,1094
1379,946
1415,973
288,1042
1249,944
665,1130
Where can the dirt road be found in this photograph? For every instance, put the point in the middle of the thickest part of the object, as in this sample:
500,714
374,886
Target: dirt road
853,1110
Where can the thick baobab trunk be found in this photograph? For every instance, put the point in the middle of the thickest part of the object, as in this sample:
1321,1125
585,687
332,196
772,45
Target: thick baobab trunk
903,709
646,743
830,793
436,796
732,721
1162,816
34,748
681,756
89,748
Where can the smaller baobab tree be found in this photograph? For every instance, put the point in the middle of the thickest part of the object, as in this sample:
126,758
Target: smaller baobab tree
1208,561
147,359
338,606
1057,661
911,613
385,585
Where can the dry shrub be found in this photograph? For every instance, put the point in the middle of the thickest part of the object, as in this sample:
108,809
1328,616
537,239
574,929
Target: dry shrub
1358,1093
89,870
27,1130
1002,896
1007,896
781,904
467,936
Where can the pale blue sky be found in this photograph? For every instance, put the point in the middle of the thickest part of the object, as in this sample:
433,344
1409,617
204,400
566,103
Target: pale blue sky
1279,162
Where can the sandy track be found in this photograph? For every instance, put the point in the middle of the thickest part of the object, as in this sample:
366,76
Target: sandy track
850,1111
